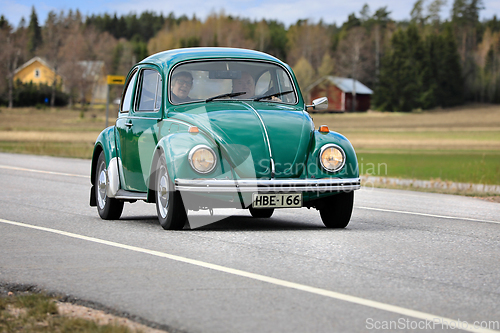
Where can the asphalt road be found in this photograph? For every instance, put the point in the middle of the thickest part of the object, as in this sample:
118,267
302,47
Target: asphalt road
406,257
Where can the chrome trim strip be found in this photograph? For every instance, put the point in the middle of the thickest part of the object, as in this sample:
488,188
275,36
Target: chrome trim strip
273,185
267,138
137,117
127,195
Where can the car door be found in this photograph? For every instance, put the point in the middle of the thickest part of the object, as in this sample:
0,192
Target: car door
138,127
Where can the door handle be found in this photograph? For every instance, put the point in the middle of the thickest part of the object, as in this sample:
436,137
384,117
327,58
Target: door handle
129,124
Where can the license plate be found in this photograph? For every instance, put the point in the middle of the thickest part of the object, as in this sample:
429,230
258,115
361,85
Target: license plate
278,200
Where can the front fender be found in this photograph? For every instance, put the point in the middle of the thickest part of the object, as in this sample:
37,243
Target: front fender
314,168
175,148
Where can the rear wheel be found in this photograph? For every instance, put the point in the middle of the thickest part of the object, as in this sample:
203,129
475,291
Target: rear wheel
337,209
261,213
169,206
108,208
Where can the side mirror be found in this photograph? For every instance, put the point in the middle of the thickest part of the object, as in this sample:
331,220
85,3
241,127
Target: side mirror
319,104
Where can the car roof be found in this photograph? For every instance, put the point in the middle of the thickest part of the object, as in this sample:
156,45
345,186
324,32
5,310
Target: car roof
167,59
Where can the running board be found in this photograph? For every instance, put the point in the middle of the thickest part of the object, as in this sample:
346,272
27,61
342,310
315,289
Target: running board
128,195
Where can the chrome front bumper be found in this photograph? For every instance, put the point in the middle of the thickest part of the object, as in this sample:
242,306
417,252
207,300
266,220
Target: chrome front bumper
268,186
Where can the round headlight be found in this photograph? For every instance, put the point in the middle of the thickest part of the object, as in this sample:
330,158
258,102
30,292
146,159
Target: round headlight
332,157
202,159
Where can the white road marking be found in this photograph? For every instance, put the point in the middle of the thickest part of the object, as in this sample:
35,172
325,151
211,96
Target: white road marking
278,282
42,171
429,215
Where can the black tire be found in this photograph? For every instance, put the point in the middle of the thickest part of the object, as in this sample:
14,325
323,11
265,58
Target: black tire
169,207
261,213
337,210
108,208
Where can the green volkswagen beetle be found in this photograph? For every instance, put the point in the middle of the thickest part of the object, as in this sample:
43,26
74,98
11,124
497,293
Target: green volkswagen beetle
205,128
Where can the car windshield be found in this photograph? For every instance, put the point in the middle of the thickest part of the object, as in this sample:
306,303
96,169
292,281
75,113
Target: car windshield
236,80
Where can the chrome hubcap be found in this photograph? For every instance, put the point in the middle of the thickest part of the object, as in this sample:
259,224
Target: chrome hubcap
162,196
101,186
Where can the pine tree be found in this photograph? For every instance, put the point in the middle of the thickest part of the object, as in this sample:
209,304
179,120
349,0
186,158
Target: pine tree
452,83
3,22
401,74
34,33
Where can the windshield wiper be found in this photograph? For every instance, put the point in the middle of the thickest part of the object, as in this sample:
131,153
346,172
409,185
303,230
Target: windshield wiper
233,94
273,95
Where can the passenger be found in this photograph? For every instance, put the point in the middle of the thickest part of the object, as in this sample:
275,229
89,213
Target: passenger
182,83
245,83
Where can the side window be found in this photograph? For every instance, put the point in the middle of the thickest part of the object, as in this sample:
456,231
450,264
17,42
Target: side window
285,84
127,95
147,100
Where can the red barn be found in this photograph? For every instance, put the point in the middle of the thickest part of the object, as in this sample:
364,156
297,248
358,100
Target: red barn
339,91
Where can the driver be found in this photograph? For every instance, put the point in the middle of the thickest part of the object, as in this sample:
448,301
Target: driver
182,83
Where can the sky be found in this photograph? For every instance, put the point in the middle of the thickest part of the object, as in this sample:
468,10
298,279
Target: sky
285,11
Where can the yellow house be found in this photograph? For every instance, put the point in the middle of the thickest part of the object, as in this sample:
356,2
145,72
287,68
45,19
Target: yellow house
37,71
92,84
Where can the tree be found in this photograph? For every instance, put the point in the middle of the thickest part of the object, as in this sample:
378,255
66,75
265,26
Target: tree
379,23
400,85
465,19
54,33
73,50
12,54
327,66
3,22
417,13
434,10
353,57
365,13
442,83
34,33
309,41
304,73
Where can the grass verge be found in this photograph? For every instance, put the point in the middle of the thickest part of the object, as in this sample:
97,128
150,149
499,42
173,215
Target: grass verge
39,313
61,149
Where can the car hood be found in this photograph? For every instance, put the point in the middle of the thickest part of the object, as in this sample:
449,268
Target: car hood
242,130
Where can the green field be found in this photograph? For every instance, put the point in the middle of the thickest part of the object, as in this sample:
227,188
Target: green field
456,166
460,144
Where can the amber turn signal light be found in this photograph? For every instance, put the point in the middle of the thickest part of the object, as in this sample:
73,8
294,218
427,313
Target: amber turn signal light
193,129
324,129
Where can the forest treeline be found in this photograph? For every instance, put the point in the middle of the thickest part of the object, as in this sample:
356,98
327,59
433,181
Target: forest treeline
423,62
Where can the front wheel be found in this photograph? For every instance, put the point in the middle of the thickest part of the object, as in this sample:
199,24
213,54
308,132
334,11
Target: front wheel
337,210
108,208
169,206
